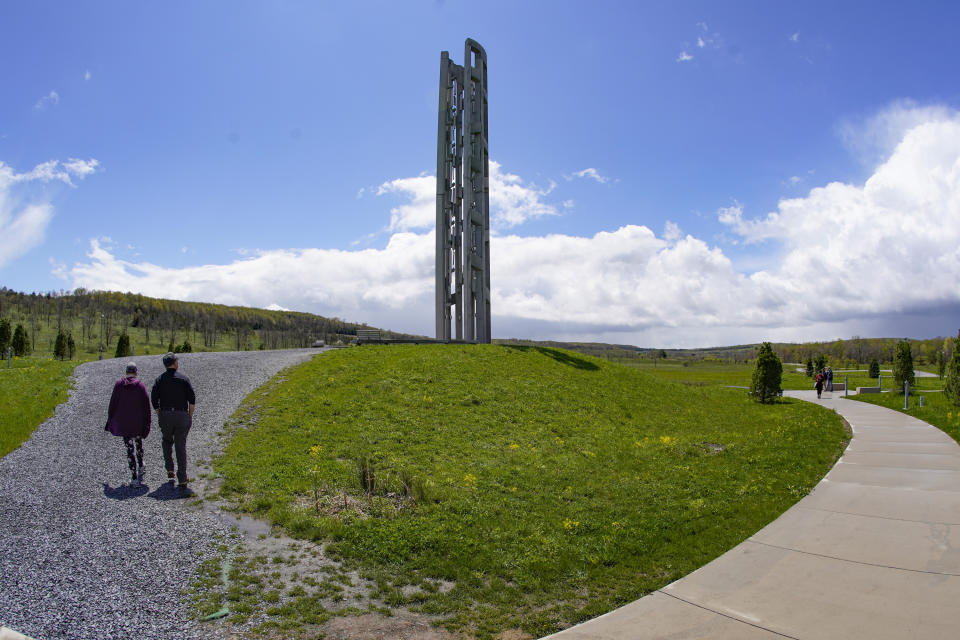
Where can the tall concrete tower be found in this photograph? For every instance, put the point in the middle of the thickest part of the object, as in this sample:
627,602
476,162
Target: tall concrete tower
463,198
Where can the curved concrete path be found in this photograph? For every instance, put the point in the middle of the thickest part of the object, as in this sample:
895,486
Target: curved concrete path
871,553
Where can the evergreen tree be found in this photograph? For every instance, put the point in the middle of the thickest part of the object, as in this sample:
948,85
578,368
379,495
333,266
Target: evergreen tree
20,343
123,346
186,347
902,365
71,347
941,363
951,385
5,334
820,362
874,368
767,375
809,367
60,346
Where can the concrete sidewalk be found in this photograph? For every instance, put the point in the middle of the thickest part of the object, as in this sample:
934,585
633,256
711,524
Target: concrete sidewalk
871,553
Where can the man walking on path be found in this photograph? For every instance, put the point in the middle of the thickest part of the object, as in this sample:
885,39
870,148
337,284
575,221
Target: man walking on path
173,399
128,416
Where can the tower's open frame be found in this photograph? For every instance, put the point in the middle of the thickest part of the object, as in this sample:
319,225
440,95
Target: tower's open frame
463,199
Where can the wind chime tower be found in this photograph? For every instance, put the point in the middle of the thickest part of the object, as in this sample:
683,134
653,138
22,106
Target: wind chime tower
463,199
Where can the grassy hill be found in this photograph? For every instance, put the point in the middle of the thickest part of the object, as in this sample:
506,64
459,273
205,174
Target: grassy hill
504,487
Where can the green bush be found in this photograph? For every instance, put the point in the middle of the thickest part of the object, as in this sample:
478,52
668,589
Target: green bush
123,346
60,346
5,334
20,343
874,368
767,375
902,366
951,386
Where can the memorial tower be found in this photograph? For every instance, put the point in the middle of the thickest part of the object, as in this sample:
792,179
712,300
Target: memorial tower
463,199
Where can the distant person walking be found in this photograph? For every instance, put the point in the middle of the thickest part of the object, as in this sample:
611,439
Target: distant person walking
128,417
173,399
818,383
830,379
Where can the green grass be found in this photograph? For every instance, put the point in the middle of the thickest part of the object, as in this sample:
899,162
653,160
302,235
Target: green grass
705,373
546,486
29,393
936,409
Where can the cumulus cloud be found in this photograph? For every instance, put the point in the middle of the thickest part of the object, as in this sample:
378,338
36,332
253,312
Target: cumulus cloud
52,99
684,57
513,201
25,213
844,257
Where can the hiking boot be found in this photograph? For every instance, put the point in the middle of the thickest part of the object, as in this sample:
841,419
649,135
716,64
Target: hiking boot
135,481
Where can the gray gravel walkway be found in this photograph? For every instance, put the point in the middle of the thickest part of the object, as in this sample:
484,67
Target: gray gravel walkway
82,554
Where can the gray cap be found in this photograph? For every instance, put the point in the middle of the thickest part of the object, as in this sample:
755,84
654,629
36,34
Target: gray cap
169,359
131,367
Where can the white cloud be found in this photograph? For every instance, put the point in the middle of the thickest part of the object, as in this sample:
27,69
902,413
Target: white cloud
873,139
25,211
795,180
795,37
51,99
275,307
847,257
86,75
592,173
700,42
512,200
684,57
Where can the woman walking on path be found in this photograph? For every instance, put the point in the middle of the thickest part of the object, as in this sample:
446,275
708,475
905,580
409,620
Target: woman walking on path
818,385
128,417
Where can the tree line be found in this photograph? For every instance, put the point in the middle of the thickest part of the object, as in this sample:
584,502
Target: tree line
94,320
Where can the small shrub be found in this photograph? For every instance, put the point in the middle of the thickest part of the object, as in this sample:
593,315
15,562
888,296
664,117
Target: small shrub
902,365
809,370
71,347
60,346
951,385
767,375
874,368
123,346
20,343
5,335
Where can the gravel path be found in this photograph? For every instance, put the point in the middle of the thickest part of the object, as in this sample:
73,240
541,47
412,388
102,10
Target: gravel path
82,554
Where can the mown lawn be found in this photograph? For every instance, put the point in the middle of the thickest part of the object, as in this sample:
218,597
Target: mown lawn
29,392
516,487
936,409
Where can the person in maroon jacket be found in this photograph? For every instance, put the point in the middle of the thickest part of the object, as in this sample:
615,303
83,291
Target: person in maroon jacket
129,418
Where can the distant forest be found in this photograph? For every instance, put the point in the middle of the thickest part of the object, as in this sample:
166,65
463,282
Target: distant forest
154,324
855,351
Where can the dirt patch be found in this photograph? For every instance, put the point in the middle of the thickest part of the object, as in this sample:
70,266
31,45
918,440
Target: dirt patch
400,626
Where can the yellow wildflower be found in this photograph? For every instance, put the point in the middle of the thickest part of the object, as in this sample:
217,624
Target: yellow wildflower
470,479
666,439
315,451
514,445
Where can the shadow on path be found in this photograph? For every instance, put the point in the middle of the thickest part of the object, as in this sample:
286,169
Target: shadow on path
124,491
169,491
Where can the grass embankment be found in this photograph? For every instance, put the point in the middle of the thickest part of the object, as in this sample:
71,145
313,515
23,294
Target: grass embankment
545,486
937,408
29,392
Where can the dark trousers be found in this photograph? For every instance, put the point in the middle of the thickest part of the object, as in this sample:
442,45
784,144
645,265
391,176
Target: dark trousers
175,425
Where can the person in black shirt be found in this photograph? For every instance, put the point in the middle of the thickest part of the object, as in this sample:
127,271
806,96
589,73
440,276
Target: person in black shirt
173,399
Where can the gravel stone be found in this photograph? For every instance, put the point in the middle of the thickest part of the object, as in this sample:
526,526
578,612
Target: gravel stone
83,555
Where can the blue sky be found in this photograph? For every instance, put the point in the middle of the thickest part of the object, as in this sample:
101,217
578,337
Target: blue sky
665,174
